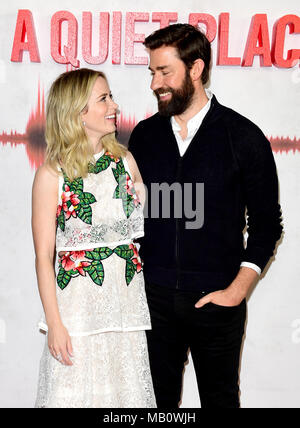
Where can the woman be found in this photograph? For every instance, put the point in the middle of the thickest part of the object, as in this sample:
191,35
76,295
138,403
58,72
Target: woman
85,208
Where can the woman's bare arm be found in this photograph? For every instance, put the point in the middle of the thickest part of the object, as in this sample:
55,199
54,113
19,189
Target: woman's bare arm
44,206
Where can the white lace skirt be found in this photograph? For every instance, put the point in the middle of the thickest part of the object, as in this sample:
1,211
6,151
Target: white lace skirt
110,370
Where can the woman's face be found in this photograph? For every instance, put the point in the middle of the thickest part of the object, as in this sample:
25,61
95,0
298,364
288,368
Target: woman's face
100,117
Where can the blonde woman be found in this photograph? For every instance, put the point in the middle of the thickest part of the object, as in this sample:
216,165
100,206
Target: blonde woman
86,209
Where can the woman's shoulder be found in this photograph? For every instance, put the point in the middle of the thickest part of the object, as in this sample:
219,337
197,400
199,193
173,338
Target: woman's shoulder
46,176
130,159
46,169
133,167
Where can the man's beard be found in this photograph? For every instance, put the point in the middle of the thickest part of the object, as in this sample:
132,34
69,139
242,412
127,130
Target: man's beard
181,98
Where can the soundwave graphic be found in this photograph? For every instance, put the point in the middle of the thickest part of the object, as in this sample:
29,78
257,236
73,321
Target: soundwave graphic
34,138
125,126
285,144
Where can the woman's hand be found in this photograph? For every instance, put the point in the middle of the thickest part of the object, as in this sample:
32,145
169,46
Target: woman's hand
59,343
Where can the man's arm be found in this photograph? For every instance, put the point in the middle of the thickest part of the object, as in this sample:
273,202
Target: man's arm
235,293
260,189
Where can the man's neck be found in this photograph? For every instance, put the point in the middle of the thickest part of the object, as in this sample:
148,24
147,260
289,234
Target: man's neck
199,101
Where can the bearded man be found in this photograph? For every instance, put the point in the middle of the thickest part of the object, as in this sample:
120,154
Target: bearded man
197,279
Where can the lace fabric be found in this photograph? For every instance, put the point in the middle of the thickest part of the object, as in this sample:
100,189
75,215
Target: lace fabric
100,294
100,209
113,232
110,370
87,307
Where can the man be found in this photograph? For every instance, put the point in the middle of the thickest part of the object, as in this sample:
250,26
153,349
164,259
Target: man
197,278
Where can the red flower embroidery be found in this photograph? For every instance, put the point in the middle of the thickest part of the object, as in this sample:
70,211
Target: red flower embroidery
71,197
70,212
131,190
72,260
136,258
58,211
116,160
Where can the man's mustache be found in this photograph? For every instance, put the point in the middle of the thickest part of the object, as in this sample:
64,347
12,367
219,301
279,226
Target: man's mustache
159,91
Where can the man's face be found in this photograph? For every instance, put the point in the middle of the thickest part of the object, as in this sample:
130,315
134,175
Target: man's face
171,81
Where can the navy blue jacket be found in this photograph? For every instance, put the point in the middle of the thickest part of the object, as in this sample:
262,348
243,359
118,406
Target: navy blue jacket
234,160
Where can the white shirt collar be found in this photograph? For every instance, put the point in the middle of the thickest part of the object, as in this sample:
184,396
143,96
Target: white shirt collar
193,125
195,122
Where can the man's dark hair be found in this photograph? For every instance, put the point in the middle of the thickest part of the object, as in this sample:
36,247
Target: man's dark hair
190,43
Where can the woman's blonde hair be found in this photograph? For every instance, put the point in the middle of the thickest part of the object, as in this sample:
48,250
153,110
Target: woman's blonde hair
68,146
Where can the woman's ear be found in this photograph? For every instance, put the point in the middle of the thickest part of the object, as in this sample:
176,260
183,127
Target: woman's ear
82,114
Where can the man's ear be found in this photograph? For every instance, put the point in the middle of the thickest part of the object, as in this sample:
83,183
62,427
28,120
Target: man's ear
197,69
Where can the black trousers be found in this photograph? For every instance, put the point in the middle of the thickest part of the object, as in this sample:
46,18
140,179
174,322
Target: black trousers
213,334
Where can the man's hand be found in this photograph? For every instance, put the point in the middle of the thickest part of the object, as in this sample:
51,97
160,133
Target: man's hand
221,298
235,293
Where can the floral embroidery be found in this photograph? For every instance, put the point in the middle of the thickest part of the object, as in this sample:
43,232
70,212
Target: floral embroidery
75,203
113,158
75,263
72,198
133,261
71,264
136,258
125,189
131,190
103,163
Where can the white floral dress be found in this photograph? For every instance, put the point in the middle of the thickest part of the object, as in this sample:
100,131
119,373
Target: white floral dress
100,294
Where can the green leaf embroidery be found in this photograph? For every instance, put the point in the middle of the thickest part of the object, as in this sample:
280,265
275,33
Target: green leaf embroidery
63,278
102,163
121,192
124,252
84,212
86,198
95,269
116,174
130,271
116,194
128,205
67,181
99,253
61,221
82,209
121,168
128,254
76,185
96,272
92,169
